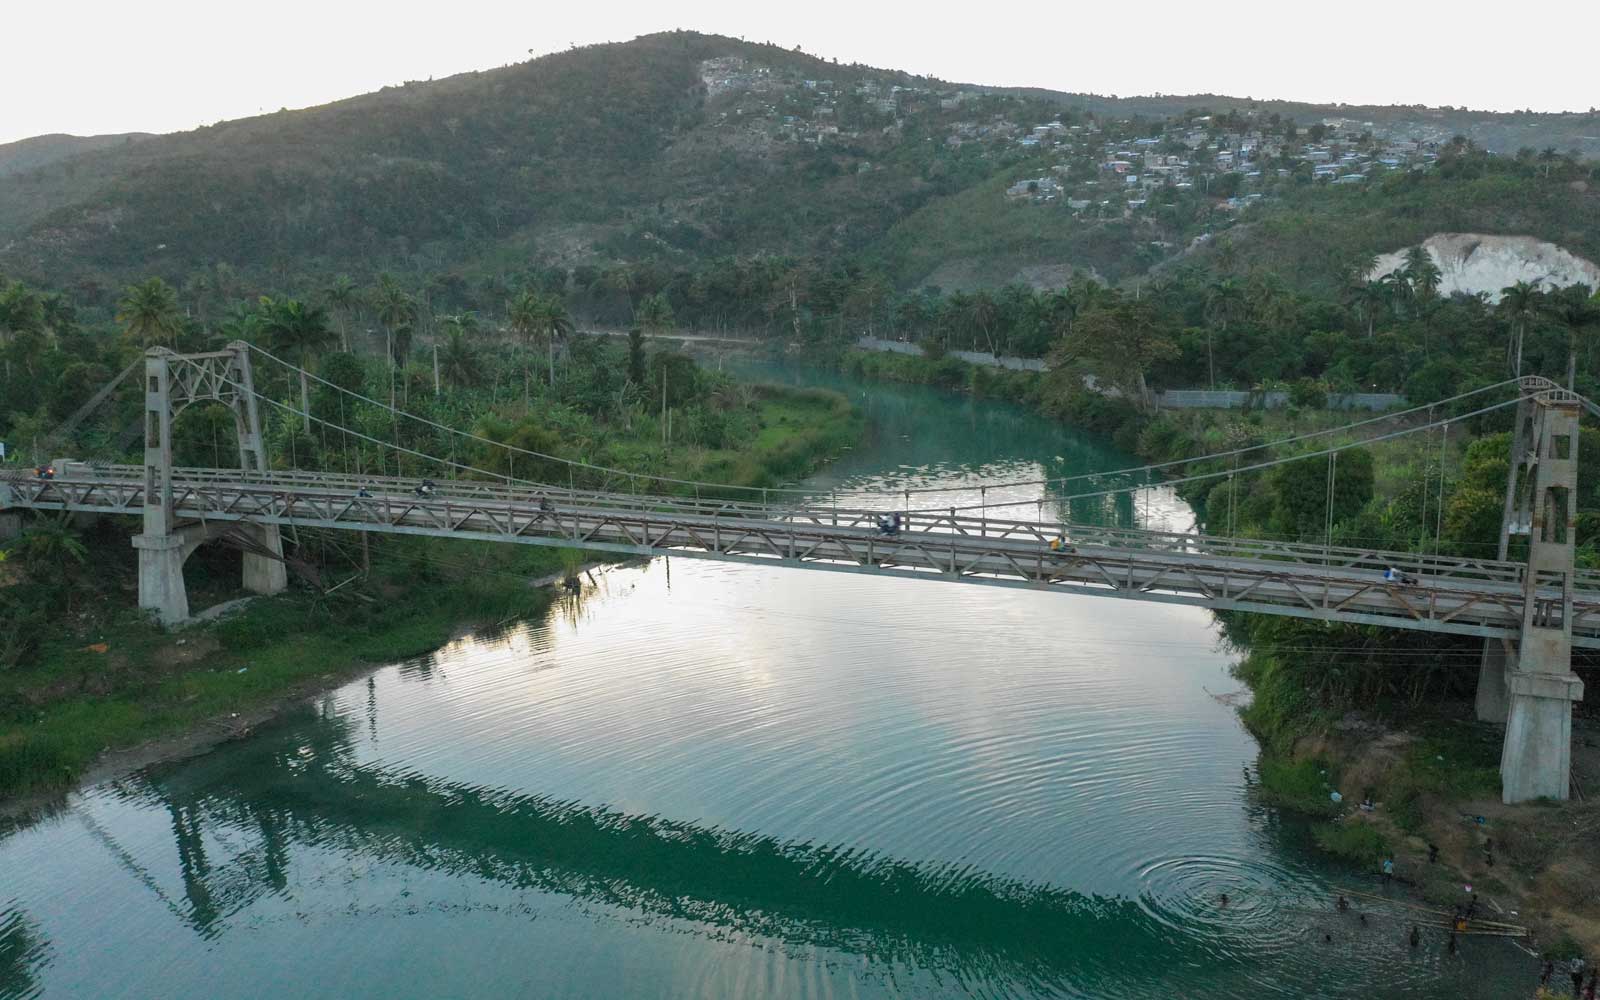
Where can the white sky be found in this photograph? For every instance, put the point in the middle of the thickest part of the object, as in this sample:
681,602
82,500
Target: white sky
165,65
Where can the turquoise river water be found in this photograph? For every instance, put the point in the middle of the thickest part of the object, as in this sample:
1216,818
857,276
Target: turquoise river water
711,780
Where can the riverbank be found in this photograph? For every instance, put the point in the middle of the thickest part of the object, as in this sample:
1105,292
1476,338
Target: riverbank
1435,781
106,683
1352,710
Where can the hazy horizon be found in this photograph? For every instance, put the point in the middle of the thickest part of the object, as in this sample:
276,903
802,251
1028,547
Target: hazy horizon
174,66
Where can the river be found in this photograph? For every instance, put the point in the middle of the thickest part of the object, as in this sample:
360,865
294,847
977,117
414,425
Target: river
715,780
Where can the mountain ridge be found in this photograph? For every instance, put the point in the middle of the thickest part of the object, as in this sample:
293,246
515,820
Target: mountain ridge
676,148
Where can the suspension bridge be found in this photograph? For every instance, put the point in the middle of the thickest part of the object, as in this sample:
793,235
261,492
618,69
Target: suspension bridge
1529,614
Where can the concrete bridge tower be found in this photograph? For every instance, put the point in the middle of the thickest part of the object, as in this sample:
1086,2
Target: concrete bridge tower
172,382
1534,696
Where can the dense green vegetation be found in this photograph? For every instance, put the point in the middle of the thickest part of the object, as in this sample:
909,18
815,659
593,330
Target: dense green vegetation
438,246
623,171
81,669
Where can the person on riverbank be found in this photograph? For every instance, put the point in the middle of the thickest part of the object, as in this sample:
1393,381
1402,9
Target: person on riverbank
1388,870
1416,935
1575,970
1342,904
1545,973
1452,942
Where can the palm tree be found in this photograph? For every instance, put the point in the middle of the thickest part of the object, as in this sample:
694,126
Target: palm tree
1422,273
343,297
522,314
654,315
1520,303
1397,288
396,310
149,312
1366,300
465,323
458,362
294,326
1224,302
1574,308
555,324
981,314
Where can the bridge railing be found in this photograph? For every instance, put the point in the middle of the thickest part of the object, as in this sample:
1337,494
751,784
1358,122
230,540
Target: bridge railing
1183,545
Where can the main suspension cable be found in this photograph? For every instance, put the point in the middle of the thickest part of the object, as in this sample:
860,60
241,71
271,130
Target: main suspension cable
902,492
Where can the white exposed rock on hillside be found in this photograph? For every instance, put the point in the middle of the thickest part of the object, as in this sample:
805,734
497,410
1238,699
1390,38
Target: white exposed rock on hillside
1473,263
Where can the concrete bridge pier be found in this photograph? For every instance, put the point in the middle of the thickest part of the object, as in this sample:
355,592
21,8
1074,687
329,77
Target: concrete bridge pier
161,589
161,559
1493,701
1536,758
265,573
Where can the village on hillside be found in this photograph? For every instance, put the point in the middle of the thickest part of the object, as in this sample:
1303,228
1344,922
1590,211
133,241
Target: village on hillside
1086,164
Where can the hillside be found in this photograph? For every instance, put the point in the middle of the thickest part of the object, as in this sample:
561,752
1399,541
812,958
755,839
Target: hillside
675,151
43,150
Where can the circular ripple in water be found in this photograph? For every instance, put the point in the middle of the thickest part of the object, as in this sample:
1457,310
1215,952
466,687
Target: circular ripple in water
1185,894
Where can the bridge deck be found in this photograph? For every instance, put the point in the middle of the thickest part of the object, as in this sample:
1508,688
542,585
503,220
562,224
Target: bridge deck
1461,596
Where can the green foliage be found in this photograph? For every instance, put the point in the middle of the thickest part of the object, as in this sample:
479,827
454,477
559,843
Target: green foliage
1448,761
1303,786
1357,842
1301,492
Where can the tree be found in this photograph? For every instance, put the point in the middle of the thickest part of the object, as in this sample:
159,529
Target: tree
522,314
1422,274
397,311
654,316
343,298
52,551
1576,310
295,327
555,323
1520,303
1118,345
1366,300
636,359
463,323
458,362
1224,302
1300,492
149,313
21,310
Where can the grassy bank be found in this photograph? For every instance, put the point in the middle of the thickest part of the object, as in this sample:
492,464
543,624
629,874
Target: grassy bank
116,679
101,676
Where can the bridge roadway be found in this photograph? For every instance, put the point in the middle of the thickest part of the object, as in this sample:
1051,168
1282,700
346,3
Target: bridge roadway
1478,597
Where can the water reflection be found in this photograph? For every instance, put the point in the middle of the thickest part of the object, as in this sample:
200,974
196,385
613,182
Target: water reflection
704,779
303,789
24,952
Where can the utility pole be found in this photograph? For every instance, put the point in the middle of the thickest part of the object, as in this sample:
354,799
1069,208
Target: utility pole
436,370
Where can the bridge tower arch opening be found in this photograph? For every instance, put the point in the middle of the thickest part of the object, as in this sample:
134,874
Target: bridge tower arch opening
172,382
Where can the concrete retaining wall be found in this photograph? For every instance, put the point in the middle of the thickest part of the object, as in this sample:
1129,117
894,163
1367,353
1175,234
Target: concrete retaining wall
1175,399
